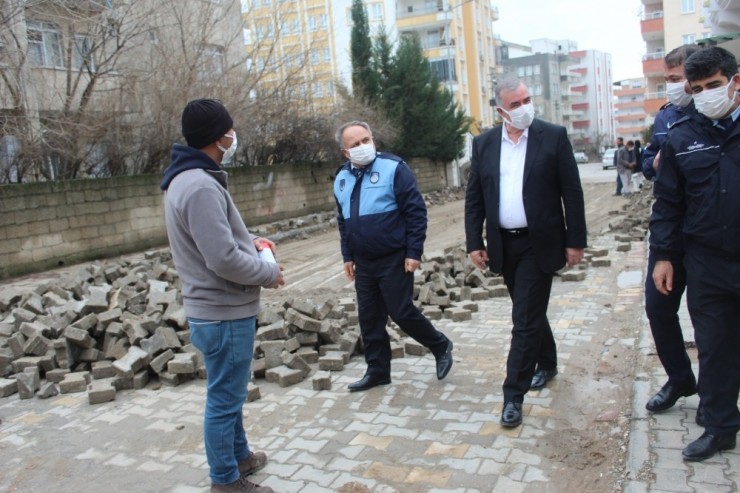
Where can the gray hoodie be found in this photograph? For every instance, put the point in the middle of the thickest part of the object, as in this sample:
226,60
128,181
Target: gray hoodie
220,270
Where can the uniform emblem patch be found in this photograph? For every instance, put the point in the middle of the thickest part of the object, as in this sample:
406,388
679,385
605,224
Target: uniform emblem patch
341,185
374,177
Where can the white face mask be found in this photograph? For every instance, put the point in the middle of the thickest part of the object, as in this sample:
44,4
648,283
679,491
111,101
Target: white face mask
715,103
676,93
228,153
362,154
520,117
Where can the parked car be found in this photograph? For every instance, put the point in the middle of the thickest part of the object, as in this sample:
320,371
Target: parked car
581,157
607,160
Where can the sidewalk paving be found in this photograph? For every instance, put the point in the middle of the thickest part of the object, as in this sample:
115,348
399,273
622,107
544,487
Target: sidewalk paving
415,435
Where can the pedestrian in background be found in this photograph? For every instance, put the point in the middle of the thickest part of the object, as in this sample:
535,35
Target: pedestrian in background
625,162
637,177
525,187
662,310
620,186
382,223
221,275
696,216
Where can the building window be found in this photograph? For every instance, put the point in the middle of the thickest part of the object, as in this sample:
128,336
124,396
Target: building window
444,70
44,44
213,62
376,12
82,57
311,23
324,22
687,6
689,39
327,55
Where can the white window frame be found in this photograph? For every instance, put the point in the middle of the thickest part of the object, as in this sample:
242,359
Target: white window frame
48,46
688,6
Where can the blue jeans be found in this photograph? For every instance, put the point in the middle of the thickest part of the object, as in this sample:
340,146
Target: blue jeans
227,348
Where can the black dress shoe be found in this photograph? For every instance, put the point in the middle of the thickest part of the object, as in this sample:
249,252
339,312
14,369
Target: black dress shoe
511,416
541,377
368,382
707,445
700,418
444,362
667,397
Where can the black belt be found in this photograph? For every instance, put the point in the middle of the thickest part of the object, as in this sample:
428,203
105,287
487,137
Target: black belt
515,231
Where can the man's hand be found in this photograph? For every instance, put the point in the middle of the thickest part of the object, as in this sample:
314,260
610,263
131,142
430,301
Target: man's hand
663,276
262,243
573,256
349,270
479,258
410,265
656,162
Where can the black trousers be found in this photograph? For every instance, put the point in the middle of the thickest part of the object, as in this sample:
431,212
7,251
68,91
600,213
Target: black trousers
384,289
714,305
662,312
532,341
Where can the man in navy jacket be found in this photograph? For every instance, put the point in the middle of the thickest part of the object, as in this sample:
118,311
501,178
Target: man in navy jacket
382,224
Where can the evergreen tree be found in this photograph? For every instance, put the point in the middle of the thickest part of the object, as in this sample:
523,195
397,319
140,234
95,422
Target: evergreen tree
364,79
431,123
382,59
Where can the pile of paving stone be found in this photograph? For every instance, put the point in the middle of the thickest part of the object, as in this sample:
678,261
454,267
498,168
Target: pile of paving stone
118,325
633,221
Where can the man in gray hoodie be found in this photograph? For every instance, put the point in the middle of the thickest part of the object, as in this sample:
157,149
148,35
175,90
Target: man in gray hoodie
221,275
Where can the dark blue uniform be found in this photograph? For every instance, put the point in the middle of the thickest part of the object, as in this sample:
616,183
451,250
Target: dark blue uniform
662,310
382,221
697,213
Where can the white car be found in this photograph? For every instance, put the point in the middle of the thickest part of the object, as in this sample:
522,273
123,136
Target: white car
607,160
581,157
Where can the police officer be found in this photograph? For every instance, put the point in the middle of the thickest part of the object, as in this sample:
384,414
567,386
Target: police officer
697,202
382,225
662,310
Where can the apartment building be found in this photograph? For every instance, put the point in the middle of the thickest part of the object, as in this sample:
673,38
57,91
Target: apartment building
458,40
308,42
629,109
665,25
86,82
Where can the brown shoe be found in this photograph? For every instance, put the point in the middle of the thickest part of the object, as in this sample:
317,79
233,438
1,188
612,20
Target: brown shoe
252,464
241,485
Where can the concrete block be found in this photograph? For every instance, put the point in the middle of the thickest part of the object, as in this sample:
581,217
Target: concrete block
303,322
458,314
101,370
274,332
601,262
20,364
74,382
99,391
284,376
432,312
498,291
413,348
295,362
397,350
141,379
171,338
309,355
56,375
159,364
47,390
182,363
79,337
253,392
8,387
321,381
572,276
134,360
29,382
479,294
331,362
272,351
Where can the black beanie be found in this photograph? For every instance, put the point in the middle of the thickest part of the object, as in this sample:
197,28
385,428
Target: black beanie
204,121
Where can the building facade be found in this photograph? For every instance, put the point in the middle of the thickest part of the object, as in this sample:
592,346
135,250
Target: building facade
665,25
629,109
457,39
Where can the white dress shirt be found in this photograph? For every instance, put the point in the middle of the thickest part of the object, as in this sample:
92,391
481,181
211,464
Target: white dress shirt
511,206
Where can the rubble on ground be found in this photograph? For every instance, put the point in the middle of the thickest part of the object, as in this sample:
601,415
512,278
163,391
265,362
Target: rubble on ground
120,324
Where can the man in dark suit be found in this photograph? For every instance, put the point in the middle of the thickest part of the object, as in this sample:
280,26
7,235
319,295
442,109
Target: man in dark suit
524,185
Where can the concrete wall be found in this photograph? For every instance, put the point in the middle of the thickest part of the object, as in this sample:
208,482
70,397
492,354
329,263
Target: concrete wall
51,224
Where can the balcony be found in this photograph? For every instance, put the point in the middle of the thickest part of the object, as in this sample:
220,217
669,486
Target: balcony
652,64
410,16
652,29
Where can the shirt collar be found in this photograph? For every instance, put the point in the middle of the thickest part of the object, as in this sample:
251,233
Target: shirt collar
505,134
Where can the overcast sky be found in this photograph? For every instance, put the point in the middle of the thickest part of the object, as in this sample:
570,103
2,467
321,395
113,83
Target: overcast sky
610,26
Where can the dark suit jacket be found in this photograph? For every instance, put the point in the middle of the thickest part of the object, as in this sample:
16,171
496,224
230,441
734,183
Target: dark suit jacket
552,195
